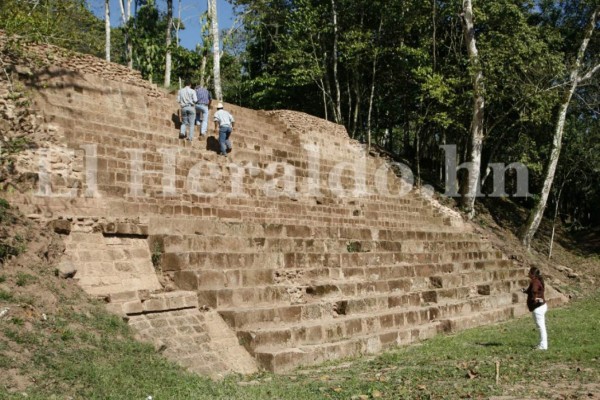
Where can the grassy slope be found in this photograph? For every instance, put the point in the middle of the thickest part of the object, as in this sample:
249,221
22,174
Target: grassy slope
88,354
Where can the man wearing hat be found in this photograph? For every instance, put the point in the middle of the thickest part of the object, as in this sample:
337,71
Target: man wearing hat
224,123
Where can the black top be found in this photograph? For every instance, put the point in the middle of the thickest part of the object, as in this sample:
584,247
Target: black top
535,291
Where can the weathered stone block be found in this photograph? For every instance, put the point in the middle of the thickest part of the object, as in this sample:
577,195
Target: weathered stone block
175,261
133,307
155,305
123,297
61,226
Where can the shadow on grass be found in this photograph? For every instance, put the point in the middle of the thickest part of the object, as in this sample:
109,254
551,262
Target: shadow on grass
489,344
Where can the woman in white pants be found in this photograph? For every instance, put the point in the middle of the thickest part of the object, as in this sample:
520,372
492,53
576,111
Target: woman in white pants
536,303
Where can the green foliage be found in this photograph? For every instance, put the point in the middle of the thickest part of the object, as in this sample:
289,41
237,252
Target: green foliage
147,31
5,296
13,145
24,279
5,214
354,247
157,253
6,250
66,23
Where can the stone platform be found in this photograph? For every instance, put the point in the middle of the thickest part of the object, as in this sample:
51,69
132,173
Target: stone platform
295,249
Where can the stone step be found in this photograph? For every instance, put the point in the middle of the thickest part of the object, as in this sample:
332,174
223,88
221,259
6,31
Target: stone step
485,317
179,261
438,276
343,326
284,360
267,315
326,330
198,341
107,121
181,227
224,278
220,296
201,209
206,242
280,350
115,154
97,122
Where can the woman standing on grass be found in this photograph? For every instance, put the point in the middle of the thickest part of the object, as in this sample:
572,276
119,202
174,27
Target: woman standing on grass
537,304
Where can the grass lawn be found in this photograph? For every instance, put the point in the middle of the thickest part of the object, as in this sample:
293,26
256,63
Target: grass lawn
93,356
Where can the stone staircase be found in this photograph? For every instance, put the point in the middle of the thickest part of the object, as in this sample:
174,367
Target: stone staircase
296,295
307,248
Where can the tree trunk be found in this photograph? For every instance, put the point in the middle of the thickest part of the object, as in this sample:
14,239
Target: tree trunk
203,71
372,96
324,99
168,43
356,106
418,156
468,200
349,114
556,207
212,15
178,26
327,85
107,28
338,95
434,34
129,44
125,17
535,216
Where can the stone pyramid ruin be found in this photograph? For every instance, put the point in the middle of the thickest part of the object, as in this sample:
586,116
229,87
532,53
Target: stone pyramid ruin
297,248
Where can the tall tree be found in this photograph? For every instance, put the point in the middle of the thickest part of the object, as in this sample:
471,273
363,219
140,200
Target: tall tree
107,28
167,82
125,19
336,81
373,84
535,217
212,15
476,129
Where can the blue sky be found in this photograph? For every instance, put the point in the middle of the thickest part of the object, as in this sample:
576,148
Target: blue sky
191,10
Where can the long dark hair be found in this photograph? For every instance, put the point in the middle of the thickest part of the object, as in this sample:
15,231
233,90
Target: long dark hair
535,272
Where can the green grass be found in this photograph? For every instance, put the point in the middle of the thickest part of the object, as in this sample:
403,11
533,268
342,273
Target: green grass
5,296
70,360
24,279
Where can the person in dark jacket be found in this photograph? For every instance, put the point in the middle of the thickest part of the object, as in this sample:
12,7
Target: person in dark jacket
536,303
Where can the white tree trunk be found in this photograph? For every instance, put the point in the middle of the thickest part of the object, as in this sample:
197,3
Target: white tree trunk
167,82
178,26
324,99
129,44
203,71
535,216
337,106
107,28
212,15
469,197
372,96
125,17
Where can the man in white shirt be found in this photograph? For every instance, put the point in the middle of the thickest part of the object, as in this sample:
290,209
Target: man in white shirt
224,123
187,100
